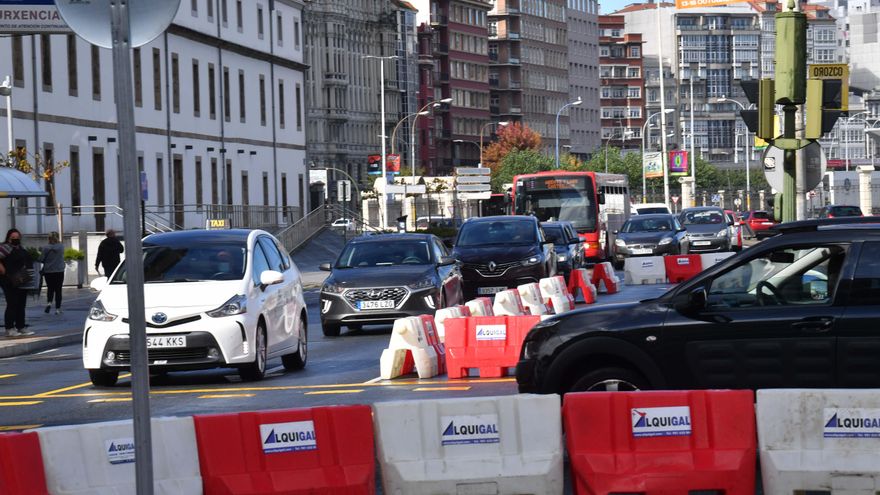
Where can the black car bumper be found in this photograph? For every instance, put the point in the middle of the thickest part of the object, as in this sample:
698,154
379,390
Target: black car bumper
336,309
473,280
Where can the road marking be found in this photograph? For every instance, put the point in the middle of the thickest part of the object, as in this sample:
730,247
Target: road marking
47,352
18,427
10,375
74,387
374,380
21,403
112,399
224,396
429,389
327,392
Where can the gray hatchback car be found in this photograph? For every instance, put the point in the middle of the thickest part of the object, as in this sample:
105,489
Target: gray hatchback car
707,229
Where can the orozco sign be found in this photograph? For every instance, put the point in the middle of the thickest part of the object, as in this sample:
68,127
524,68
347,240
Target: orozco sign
833,71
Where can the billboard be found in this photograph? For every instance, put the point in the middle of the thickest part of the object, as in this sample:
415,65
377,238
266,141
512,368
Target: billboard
653,165
374,165
31,16
693,4
392,164
678,162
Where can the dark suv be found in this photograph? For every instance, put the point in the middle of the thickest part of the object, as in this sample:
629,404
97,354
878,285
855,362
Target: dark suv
799,310
502,252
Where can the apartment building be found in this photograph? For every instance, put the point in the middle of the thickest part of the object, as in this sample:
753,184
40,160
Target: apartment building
622,84
220,111
583,75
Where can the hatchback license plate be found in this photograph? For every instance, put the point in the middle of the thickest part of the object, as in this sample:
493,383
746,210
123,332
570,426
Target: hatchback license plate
385,304
702,243
166,341
485,291
642,251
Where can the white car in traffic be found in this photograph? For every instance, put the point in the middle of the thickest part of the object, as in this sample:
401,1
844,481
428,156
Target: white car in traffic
213,298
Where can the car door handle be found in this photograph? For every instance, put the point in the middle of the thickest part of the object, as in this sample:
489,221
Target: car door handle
819,324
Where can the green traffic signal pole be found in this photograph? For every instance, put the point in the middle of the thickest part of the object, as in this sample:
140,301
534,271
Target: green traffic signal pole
790,91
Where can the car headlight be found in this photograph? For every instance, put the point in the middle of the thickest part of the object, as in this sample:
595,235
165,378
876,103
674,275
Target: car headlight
530,349
723,233
665,240
98,313
332,288
531,260
423,284
619,242
234,306
561,257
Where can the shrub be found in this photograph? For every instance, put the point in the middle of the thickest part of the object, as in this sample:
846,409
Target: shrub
73,254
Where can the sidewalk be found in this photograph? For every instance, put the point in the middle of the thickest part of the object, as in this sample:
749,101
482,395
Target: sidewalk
50,330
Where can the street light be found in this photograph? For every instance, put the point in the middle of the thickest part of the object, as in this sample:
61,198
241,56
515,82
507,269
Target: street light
846,148
572,103
644,130
384,216
872,130
412,134
483,128
748,152
6,90
394,131
608,141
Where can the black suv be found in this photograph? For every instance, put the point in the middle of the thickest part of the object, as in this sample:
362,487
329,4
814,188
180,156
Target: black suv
502,252
799,310
568,246
379,278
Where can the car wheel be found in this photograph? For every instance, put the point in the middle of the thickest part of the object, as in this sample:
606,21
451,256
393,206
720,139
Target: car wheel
330,330
257,370
297,360
103,378
610,380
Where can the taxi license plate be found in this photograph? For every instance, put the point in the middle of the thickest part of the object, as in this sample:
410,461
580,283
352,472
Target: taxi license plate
702,243
484,291
642,251
166,341
385,304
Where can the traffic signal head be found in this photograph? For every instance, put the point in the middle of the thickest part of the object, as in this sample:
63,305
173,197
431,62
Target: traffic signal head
823,98
760,121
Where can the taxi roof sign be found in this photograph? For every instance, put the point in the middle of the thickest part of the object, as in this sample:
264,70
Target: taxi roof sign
218,224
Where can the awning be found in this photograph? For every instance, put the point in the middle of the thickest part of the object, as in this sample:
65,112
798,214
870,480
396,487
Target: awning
15,184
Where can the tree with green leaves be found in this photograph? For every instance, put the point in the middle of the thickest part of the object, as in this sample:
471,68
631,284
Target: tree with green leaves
519,162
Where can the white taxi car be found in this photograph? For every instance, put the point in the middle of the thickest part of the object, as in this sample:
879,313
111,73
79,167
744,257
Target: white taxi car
213,298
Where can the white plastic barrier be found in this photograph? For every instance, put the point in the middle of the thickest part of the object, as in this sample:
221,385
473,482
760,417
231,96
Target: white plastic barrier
508,303
481,306
486,445
441,315
408,337
555,293
711,259
644,270
819,440
99,458
532,299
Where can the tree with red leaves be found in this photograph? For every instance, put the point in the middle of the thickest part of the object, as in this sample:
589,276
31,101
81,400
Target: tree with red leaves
513,137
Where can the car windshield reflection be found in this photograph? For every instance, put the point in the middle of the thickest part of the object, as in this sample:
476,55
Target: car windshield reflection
167,264
368,254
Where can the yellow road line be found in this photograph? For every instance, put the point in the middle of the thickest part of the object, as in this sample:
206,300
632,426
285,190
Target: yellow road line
428,389
21,403
10,375
224,396
327,392
73,387
18,427
114,399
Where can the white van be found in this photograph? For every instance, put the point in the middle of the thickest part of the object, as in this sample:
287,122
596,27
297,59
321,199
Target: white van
649,208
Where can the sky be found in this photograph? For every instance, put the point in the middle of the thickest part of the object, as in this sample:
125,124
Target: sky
609,6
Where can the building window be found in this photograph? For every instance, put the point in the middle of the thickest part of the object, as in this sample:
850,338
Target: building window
298,106
17,61
239,22
212,93
226,105
46,61
265,189
175,84
262,100
96,73
635,52
197,97
160,181
245,194
241,97
633,72
157,79
210,9
302,196
194,7
199,184
604,51
214,182
75,198
281,104
260,21
138,80
279,26
224,14
296,34
284,196
634,92
229,182
72,72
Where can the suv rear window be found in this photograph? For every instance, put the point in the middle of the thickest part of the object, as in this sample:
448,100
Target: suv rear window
846,211
762,215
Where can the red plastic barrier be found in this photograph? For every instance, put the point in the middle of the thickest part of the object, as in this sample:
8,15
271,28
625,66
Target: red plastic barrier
661,443
603,273
489,343
21,465
682,267
434,341
465,311
578,280
321,450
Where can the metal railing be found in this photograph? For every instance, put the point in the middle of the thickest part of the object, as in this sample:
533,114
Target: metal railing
294,236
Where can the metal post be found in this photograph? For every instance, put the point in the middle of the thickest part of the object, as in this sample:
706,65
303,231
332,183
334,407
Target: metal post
789,204
140,378
644,176
384,216
748,174
693,159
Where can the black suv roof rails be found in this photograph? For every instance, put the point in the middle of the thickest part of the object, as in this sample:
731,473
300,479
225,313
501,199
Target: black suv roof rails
816,223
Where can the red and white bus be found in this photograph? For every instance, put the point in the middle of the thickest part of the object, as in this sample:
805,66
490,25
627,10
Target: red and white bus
594,203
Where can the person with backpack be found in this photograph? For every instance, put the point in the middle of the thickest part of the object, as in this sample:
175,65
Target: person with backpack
16,262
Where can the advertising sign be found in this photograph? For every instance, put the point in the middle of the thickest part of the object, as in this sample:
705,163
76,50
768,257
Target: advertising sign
392,164
653,164
693,4
678,162
31,16
374,165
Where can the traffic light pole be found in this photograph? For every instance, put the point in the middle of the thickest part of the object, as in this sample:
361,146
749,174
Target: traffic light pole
789,184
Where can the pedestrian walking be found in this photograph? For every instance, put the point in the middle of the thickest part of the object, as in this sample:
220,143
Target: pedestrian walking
52,258
16,262
108,253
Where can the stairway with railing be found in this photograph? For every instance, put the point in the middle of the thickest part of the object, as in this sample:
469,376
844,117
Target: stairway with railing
296,235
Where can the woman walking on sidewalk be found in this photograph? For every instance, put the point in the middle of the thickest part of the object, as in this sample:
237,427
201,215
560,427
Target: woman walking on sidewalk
16,262
52,258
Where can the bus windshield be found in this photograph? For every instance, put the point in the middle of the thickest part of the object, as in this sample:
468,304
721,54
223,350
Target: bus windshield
551,198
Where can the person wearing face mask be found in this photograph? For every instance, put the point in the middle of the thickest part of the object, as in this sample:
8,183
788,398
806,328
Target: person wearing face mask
15,260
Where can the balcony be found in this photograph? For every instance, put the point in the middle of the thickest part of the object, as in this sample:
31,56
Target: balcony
493,56
508,11
513,60
335,79
443,77
441,48
439,20
494,83
515,85
337,114
494,109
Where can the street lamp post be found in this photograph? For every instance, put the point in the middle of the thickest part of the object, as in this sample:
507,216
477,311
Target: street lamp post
384,216
846,148
6,90
412,134
748,152
644,130
483,128
571,103
394,131
872,130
